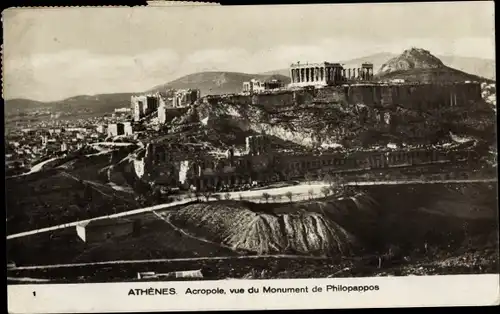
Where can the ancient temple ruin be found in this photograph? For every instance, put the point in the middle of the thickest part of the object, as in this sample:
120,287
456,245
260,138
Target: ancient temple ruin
326,73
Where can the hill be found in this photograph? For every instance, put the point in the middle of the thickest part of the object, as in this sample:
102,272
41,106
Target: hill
476,66
216,83
100,103
420,65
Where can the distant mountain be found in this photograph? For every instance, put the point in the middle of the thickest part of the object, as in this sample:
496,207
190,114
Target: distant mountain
476,66
481,67
96,103
419,65
216,83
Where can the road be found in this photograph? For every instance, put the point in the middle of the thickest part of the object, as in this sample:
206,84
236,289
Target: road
123,214
37,167
421,182
165,260
300,188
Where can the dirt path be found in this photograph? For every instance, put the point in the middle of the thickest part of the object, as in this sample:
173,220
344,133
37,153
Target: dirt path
164,260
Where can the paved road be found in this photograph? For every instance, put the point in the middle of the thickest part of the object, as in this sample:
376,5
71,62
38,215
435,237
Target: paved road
164,260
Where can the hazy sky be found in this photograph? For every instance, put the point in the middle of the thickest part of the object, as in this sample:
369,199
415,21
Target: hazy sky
51,54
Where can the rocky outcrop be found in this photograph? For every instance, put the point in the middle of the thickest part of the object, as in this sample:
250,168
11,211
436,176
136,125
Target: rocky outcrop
414,58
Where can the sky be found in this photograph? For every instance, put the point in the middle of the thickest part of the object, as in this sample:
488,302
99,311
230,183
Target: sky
51,54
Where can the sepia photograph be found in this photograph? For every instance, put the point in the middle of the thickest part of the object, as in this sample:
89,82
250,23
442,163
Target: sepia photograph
199,144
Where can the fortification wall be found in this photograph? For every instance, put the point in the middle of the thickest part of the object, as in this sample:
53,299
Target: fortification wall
422,96
239,99
331,94
273,100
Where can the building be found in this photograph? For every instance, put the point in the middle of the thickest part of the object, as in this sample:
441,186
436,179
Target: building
144,105
127,129
101,129
258,86
124,110
162,113
103,229
185,97
326,73
116,129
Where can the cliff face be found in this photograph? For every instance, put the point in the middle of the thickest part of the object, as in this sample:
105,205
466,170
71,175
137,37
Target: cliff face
414,58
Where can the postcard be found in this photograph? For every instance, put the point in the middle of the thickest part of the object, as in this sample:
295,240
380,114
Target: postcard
211,157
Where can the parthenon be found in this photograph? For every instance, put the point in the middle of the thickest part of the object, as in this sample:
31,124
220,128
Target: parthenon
326,73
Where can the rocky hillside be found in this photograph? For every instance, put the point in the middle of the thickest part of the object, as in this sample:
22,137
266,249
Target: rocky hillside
216,83
419,65
413,58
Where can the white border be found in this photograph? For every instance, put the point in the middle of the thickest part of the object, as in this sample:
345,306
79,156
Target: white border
411,291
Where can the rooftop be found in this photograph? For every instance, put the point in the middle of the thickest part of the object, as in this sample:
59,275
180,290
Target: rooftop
105,222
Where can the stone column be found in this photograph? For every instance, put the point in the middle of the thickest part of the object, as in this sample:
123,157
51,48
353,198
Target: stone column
312,74
292,75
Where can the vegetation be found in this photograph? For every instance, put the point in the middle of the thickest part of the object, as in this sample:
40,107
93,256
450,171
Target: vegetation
325,190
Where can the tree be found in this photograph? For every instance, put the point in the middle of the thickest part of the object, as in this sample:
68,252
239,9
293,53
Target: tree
328,179
289,195
333,188
197,195
227,196
207,195
308,177
311,193
325,190
319,174
266,196
156,195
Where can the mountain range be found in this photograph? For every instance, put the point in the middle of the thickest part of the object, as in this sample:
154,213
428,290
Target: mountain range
412,64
